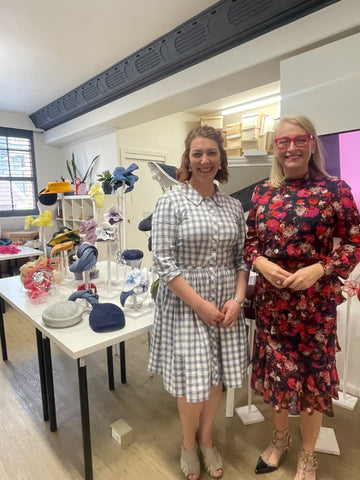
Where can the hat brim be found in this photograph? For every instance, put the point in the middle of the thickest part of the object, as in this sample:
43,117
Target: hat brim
168,172
58,187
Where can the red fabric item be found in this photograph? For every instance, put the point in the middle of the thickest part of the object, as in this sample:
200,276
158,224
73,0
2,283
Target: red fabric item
9,249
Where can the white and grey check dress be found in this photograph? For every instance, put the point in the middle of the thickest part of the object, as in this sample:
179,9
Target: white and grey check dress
200,238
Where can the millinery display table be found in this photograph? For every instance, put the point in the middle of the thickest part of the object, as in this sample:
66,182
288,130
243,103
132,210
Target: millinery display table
77,341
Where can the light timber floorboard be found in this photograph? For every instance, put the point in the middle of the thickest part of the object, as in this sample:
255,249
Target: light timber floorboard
29,451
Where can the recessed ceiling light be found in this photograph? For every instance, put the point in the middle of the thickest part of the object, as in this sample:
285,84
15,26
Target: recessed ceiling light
261,102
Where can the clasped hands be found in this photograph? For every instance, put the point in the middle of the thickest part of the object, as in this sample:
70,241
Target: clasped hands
225,318
302,279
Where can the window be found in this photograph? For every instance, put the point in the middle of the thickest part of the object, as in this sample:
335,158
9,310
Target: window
18,190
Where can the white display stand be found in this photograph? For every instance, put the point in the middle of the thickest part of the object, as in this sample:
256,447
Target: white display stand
345,400
326,442
250,413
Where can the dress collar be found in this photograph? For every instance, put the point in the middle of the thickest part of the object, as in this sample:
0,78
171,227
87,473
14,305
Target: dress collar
194,196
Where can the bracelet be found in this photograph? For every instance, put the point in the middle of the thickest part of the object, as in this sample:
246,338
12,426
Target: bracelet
240,302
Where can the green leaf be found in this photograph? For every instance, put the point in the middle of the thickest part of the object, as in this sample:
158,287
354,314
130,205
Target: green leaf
91,166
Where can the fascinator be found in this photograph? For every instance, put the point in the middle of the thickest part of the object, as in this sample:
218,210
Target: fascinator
87,255
125,176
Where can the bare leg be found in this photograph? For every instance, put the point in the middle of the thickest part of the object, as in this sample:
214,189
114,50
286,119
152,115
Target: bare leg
208,415
211,457
310,427
273,452
190,418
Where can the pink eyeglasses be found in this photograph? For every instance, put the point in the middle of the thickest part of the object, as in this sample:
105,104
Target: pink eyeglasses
300,141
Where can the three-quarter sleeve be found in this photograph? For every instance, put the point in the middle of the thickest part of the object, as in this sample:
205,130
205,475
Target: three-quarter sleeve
163,232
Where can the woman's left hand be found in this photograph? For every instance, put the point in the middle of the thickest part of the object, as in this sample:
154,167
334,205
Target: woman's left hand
304,278
231,310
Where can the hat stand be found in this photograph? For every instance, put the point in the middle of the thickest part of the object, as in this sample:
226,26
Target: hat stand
346,400
110,292
249,413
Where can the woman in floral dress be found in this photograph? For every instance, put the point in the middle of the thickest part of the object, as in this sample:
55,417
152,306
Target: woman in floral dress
292,223
199,336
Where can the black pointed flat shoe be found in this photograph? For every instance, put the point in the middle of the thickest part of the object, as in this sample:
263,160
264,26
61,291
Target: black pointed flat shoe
263,467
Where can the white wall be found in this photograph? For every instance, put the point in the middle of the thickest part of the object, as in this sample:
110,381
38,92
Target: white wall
324,85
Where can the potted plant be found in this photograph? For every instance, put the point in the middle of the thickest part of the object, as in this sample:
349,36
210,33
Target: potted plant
74,171
105,178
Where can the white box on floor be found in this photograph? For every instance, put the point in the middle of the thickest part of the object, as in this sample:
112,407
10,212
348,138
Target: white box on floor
122,433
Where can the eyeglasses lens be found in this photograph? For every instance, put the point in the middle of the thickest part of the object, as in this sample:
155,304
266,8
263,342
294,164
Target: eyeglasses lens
300,141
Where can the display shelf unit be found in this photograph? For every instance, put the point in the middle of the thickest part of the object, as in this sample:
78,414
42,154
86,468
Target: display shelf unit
75,209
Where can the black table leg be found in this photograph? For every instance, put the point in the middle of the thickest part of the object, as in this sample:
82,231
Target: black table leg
41,360
110,363
49,384
2,334
85,418
122,362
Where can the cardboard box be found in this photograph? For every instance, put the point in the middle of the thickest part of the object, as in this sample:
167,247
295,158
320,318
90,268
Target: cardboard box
234,152
234,141
252,120
216,122
122,433
250,133
249,145
21,236
233,129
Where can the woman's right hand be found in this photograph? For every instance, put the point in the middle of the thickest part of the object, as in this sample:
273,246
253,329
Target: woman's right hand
271,271
209,313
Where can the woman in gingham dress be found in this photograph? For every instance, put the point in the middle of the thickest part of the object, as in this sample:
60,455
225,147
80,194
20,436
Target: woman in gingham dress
199,337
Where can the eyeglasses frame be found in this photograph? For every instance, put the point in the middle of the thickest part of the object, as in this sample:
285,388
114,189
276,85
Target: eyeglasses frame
309,137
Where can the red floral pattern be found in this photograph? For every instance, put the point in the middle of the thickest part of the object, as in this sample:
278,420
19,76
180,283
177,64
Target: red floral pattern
296,341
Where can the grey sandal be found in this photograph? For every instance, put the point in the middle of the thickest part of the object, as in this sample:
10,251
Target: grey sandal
189,462
212,460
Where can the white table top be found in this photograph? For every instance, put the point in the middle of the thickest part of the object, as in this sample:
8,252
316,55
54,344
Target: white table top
24,252
78,340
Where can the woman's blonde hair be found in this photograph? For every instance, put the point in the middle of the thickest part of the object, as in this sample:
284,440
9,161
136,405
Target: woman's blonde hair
183,174
316,164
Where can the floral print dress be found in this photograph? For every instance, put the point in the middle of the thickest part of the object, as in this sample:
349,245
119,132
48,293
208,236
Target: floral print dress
294,226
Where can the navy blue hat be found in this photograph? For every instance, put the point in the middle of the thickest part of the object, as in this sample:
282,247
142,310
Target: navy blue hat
5,241
87,255
145,225
103,317
132,254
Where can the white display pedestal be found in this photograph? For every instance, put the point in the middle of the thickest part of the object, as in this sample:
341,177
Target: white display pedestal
250,413
326,442
345,400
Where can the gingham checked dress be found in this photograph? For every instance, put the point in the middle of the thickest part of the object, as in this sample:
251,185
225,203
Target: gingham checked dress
202,239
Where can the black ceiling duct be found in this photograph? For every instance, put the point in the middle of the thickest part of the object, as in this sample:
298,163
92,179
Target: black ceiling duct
225,25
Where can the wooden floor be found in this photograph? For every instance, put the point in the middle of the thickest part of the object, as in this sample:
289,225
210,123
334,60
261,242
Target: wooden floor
29,451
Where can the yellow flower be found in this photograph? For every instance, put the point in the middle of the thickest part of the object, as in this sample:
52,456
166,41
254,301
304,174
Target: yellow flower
28,222
97,193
